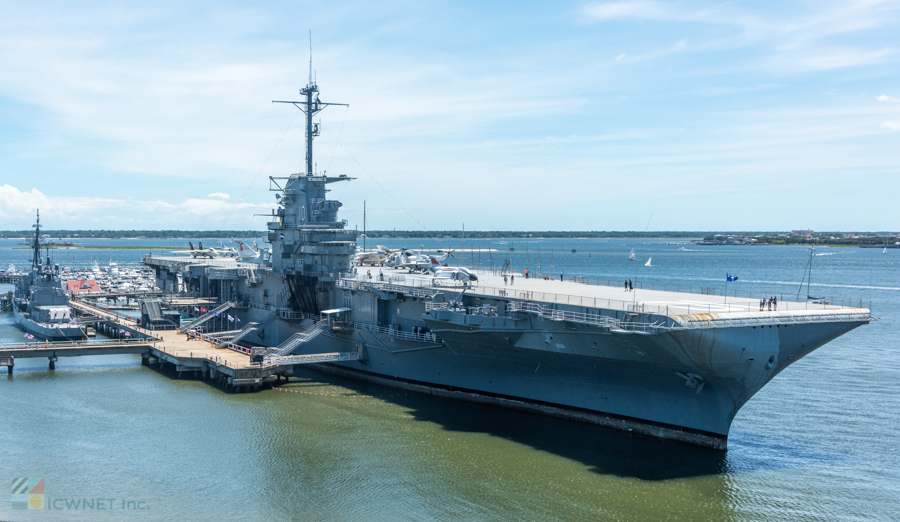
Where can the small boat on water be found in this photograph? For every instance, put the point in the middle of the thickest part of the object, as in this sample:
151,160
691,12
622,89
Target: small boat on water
648,261
632,257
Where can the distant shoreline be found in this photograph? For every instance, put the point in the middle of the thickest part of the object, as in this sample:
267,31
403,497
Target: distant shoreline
103,247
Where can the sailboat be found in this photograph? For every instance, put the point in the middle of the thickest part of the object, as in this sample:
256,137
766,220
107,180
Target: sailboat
648,261
632,257
884,251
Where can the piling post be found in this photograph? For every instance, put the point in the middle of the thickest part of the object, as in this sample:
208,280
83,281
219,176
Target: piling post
53,360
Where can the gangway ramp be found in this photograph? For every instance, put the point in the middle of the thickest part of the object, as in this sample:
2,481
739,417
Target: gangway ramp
313,358
294,341
152,309
206,317
249,329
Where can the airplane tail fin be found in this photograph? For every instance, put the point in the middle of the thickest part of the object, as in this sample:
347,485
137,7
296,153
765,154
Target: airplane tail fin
192,244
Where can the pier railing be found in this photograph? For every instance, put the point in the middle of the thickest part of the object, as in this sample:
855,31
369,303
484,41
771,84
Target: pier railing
74,344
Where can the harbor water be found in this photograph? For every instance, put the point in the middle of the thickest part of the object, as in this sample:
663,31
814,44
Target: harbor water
114,440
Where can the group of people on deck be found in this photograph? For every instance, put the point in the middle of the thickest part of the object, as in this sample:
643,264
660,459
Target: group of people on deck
771,302
629,286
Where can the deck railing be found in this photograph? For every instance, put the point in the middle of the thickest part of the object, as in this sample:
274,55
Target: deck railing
424,337
417,287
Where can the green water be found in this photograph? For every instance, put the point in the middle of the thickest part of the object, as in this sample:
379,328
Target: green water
110,428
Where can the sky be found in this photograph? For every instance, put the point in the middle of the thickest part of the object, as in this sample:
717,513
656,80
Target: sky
624,115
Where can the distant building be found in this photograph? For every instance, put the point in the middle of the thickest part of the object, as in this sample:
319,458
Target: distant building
806,233
82,285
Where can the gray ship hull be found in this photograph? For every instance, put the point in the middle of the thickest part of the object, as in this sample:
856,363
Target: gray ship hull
630,381
46,331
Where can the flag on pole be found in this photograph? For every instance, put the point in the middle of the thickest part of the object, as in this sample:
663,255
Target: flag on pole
238,319
203,310
230,319
196,309
729,277
127,334
217,314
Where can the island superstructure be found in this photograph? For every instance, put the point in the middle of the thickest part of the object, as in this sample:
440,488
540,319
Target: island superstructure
666,364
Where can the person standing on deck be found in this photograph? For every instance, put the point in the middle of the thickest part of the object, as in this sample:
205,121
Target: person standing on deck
626,286
775,302
504,279
512,278
630,286
561,274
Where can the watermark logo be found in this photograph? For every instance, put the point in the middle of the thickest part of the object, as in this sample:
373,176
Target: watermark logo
28,493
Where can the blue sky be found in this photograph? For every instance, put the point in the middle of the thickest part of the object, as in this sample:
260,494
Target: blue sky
497,115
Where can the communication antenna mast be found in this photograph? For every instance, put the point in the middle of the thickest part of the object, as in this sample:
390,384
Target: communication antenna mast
311,106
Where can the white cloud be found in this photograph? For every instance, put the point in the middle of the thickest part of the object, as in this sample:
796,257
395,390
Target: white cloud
219,195
818,60
886,98
634,9
790,37
891,125
17,211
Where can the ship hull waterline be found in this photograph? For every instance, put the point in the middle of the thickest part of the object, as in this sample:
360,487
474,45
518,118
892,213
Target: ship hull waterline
650,398
57,333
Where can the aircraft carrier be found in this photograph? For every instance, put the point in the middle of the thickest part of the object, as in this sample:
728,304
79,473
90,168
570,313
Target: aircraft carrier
666,364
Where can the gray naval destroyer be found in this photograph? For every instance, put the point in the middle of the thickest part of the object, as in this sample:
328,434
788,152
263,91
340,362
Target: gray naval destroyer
40,306
666,364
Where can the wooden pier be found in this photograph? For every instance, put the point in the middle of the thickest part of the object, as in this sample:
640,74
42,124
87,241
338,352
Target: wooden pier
166,349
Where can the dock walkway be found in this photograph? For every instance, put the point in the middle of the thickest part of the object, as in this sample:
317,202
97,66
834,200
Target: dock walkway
231,369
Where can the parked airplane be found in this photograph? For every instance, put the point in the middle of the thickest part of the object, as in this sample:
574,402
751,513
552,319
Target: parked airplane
454,273
372,257
414,262
207,252
245,252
